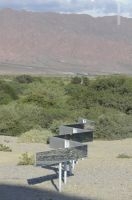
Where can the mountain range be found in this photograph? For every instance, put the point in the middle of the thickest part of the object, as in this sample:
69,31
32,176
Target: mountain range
37,42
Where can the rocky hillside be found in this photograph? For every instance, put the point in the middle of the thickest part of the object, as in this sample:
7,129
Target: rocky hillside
65,43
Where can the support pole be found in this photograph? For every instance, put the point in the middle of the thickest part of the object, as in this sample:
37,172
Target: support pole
76,161
65,173
70,167
73,164
60,176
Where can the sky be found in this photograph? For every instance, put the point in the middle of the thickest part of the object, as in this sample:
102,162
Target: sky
92,7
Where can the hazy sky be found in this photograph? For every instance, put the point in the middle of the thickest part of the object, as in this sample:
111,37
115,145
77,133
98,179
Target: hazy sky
94,7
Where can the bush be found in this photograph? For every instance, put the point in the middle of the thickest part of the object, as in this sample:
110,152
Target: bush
113,126
7,92
54,127
41,96
18,118
85,81
119,102
5,148
5,98
24,78
123,156
48,102
76,80
26,159
113,83
35,136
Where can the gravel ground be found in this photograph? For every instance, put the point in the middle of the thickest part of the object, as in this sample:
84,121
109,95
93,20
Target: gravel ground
102,176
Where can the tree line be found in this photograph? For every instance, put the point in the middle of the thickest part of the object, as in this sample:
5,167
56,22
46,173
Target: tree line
28,102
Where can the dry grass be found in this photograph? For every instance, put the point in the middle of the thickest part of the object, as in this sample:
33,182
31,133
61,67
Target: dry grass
35,136
26,159
5,148
123,156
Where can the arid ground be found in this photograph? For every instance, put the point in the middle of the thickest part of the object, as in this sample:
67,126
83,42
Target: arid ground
102,176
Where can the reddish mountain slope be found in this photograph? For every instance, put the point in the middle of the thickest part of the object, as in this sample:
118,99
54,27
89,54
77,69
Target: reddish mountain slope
65,43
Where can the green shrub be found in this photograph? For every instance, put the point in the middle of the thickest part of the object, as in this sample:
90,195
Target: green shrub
123,156
54,127
26,159
113,126
7,92
113,83
18,118
85,81
38,94
76,80
49,101
5,148
5,98
35,136
24,78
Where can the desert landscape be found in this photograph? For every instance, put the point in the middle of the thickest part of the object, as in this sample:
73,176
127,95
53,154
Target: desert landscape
101,176
50,67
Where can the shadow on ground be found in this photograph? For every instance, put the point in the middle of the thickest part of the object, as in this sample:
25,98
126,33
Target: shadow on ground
13,192
50,177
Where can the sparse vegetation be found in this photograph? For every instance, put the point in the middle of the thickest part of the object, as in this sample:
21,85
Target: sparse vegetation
5,148
123,156
26,159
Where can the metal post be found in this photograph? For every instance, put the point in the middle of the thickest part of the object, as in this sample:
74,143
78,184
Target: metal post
65,172
66,144
73,164
76,161
70,167
60,176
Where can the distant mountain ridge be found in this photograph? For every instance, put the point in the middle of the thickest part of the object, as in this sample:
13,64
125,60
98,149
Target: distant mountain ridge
65,43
